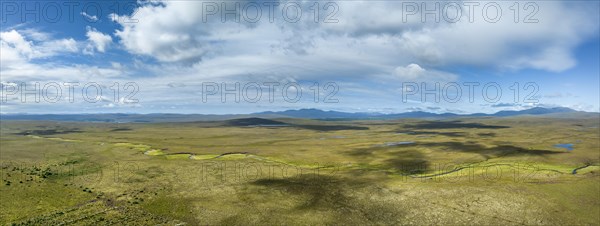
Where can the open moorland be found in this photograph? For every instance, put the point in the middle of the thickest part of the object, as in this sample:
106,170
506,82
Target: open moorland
531,170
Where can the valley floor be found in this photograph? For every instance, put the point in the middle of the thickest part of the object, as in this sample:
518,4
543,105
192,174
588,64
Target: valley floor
478,171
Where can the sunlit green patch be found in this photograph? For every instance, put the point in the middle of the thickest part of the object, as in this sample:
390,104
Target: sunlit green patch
588,170
178,156
154,152
232,156
53,138
203,157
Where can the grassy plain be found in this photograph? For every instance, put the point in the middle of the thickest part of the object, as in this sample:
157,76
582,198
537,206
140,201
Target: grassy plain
492,171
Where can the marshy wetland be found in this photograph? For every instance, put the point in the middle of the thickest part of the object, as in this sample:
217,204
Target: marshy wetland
478,171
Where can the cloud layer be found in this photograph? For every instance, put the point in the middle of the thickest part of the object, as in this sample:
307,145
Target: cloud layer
361,44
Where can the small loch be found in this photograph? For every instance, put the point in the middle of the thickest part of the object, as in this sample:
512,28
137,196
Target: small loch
569,147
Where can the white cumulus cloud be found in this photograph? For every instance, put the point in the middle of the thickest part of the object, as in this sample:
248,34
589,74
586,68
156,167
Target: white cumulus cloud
97,41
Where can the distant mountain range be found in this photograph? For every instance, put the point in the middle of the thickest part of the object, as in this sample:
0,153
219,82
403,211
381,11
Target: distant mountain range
301,113
320,114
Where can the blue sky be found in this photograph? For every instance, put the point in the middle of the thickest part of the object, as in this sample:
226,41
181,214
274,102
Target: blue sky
364,56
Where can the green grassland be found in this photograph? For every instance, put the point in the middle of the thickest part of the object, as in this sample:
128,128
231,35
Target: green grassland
476,171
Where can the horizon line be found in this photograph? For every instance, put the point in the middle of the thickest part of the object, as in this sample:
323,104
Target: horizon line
298,109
